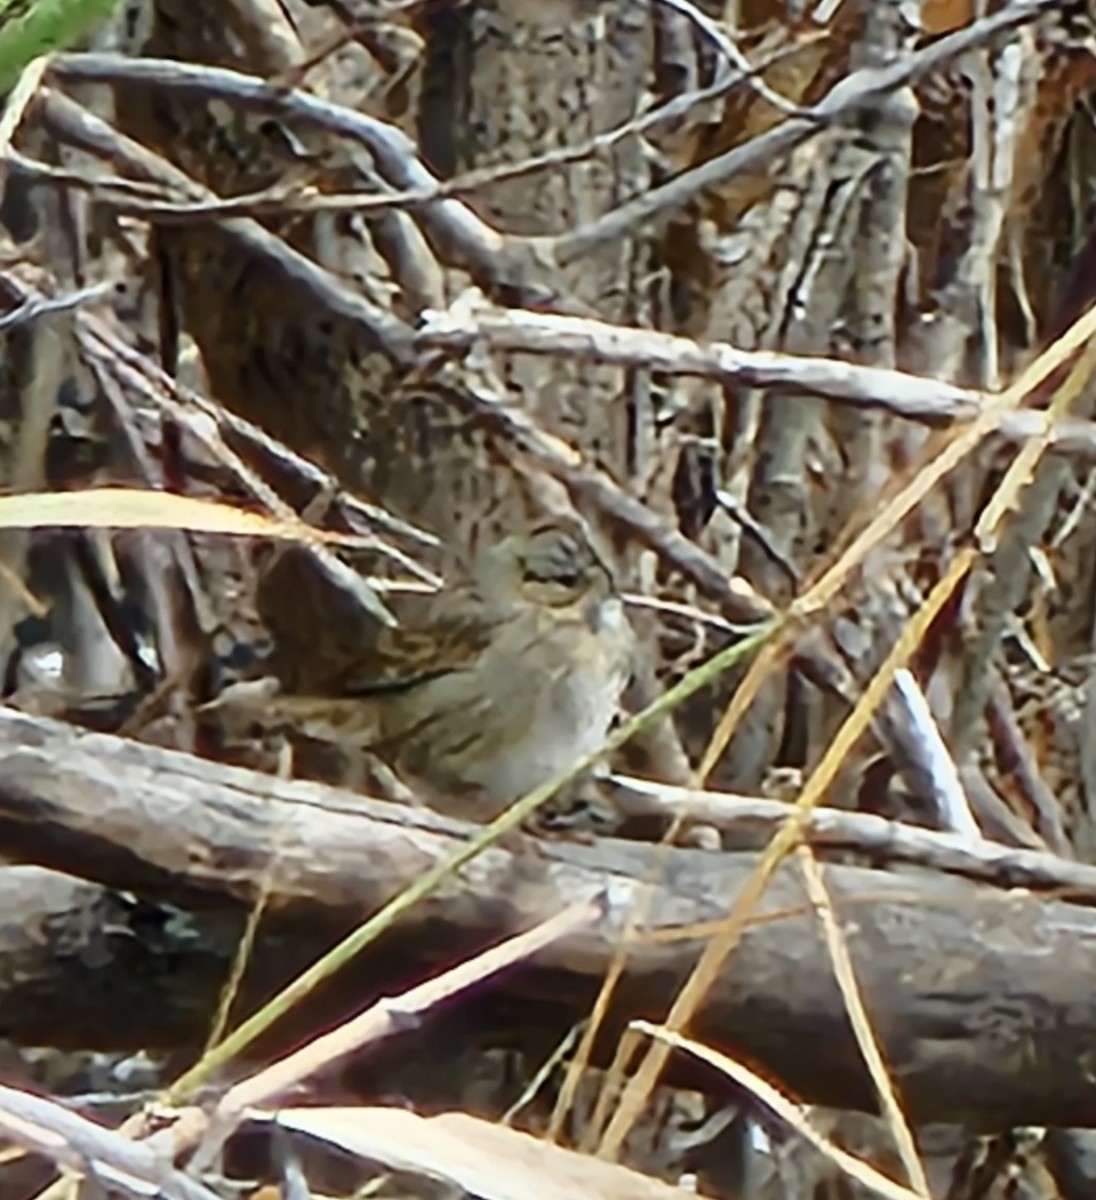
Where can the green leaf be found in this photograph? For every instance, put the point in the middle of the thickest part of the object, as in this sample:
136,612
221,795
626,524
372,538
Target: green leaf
29,28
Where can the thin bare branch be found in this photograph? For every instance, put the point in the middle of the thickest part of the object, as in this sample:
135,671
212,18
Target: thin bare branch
392,1015
19,100
73,123
82,1146
951,801
852,93
515,431
749,821
279,198
914,397
35,306
396,156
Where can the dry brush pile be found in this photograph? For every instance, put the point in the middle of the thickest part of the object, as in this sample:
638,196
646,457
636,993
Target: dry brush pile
792,303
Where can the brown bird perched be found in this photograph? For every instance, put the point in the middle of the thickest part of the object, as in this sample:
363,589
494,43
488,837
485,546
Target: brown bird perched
489,687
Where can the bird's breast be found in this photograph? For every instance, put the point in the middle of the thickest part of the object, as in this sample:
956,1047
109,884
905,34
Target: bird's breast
614,637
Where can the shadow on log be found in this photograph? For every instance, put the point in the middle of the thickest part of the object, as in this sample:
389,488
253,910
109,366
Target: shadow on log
982,996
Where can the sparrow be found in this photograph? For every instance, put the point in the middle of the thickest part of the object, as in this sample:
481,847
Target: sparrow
491,686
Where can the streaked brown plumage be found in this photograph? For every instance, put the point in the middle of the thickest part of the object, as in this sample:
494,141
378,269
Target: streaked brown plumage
491,686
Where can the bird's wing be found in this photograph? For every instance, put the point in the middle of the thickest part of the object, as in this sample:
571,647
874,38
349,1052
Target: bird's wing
445,638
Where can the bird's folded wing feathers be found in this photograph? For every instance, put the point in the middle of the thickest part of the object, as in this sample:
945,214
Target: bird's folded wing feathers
448,640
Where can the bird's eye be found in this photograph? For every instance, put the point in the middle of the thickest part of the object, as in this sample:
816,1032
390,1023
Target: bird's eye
563,578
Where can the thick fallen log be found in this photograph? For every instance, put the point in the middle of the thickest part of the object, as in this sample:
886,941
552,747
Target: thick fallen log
85,967
982,996
63,938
